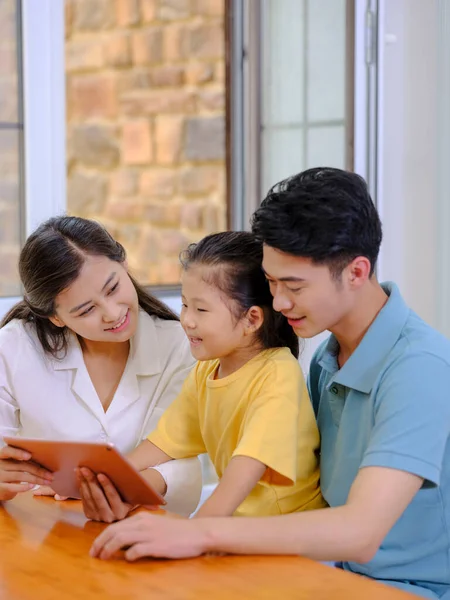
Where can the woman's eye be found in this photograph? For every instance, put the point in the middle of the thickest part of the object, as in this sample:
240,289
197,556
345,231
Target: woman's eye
202,310
86,312
114,288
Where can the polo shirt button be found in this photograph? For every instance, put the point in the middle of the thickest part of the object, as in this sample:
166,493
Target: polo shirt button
334,389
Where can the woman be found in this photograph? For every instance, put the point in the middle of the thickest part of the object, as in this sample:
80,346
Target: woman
88,355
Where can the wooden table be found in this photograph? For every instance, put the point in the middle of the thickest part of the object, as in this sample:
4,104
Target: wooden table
44,555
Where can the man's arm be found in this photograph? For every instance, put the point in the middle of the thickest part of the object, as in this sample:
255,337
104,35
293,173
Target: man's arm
352,532
238,480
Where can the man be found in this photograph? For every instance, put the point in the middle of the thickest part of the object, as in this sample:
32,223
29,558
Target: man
379,389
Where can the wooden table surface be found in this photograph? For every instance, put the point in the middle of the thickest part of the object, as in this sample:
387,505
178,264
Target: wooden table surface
44,555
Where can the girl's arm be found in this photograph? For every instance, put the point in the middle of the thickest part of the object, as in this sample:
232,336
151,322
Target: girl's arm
147,455
239,479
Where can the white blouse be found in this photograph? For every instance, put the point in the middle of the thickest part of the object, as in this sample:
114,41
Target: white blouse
45,397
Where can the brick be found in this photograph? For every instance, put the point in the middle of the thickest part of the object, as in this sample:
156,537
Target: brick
148,10
206,41
175,42
212,221
91,15
128,235
209,8
149,102
162,215
9,222
9,273
173,9
211,100
170,272
95,145
82,55
92,96
132,80
199,72
8,102
192,216
157,182
147,46
205,138
167,75
220,72
128,13
172,242
168,139
149,245
117,50
200,180
86,193
124,209
137,145
124,183
68,17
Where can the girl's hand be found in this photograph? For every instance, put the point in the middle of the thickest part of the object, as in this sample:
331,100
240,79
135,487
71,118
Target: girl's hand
152,535
101,500
45,490
18,473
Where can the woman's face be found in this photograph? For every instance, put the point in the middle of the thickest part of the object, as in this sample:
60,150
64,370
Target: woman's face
101,305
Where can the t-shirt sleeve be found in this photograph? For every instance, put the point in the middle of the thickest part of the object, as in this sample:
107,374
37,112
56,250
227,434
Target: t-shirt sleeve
412,418
270,428
178,431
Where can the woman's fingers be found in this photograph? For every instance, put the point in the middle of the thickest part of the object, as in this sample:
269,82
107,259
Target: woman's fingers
11,475
119,508
94,500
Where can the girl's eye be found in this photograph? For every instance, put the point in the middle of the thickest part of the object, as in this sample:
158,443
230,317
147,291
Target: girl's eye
114,288
201,310
86,312
183,305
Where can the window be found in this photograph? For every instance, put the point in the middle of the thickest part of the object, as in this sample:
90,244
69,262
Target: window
11,140
146,124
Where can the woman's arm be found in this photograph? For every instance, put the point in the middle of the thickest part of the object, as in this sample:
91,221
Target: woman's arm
183,479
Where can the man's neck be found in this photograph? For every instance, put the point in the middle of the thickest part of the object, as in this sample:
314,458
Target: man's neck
350,331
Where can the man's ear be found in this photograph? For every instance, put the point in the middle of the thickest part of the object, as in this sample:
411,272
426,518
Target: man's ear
358,271
57,321
254,319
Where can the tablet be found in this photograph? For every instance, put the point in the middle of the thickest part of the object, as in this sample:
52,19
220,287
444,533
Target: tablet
63,457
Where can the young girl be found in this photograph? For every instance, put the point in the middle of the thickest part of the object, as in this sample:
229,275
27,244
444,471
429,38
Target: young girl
245,403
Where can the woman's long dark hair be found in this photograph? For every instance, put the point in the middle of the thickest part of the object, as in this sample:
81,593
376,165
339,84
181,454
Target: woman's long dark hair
236,257
51,260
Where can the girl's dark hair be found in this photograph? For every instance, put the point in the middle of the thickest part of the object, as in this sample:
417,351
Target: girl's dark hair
236,257
51,260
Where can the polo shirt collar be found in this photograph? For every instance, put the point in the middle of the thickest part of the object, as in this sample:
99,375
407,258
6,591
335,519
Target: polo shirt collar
364,365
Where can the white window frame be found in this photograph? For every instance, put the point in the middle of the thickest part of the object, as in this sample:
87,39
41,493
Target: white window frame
44,141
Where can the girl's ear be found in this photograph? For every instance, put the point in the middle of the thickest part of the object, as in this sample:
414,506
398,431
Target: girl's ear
254,319
56,321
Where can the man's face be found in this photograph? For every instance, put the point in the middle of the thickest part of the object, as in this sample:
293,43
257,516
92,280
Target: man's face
306,293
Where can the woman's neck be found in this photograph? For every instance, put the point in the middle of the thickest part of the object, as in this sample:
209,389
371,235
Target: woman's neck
111,350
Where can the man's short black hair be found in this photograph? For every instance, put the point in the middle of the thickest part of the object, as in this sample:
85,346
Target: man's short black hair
324,214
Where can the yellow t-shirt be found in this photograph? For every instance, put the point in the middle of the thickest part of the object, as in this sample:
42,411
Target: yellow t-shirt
263,411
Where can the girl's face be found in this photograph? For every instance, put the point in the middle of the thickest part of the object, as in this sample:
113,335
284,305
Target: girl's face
207,320
101,305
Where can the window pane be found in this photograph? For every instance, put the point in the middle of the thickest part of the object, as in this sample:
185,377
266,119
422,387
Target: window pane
303,86
146,124
10,153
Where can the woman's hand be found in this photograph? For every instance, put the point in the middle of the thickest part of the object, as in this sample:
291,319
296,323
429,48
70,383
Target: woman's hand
18,473
101,500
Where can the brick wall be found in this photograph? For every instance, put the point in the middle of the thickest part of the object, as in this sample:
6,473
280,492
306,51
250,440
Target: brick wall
146,124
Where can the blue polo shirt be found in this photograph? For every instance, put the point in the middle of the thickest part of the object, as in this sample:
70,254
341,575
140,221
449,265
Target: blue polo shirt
389,406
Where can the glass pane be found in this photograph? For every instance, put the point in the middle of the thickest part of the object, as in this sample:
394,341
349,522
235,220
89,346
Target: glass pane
10,150
303,86
146,124
8,62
